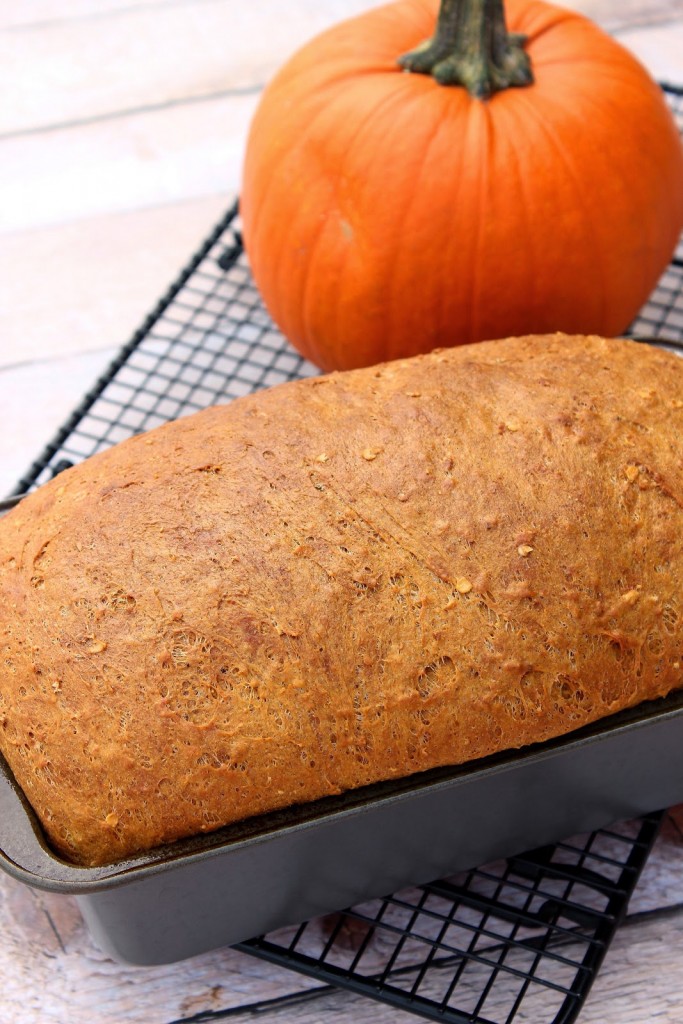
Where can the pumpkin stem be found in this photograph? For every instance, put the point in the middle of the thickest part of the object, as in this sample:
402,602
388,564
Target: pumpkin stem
472,47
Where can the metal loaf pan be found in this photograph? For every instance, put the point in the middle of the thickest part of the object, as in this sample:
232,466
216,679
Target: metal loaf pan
278,869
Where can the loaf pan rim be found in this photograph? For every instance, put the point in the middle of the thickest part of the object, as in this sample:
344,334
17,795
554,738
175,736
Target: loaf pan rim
171,857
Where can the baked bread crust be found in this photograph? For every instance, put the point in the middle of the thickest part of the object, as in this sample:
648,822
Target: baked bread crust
342,580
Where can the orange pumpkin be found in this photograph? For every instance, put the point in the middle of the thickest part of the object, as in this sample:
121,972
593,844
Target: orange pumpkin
385,214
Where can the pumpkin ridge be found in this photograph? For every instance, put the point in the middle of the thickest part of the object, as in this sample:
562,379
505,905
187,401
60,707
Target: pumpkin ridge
625,78
306,61
320,84
561,150
485,142
410,200
310,293
310,299
549,18
260,210
261,216
309,285
320,81
593,45
524,206
262,223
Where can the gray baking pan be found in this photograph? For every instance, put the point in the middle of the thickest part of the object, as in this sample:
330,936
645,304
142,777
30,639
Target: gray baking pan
278,869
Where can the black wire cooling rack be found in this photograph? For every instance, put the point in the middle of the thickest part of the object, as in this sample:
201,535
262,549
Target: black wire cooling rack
520,940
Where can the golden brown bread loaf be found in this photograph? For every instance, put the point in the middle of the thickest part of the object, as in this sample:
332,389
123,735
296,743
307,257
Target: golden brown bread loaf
342,580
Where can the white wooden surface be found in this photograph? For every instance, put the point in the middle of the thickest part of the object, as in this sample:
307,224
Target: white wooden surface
121,134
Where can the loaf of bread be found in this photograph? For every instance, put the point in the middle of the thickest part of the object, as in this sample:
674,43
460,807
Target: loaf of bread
340,581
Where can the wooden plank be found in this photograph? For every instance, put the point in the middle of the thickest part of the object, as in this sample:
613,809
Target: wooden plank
27,15
52,974
142,57
660,48
642,977
145,159
87,285
36,399
629,13
661,883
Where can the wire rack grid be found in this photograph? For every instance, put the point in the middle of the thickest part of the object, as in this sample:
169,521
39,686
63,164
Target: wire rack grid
518,940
